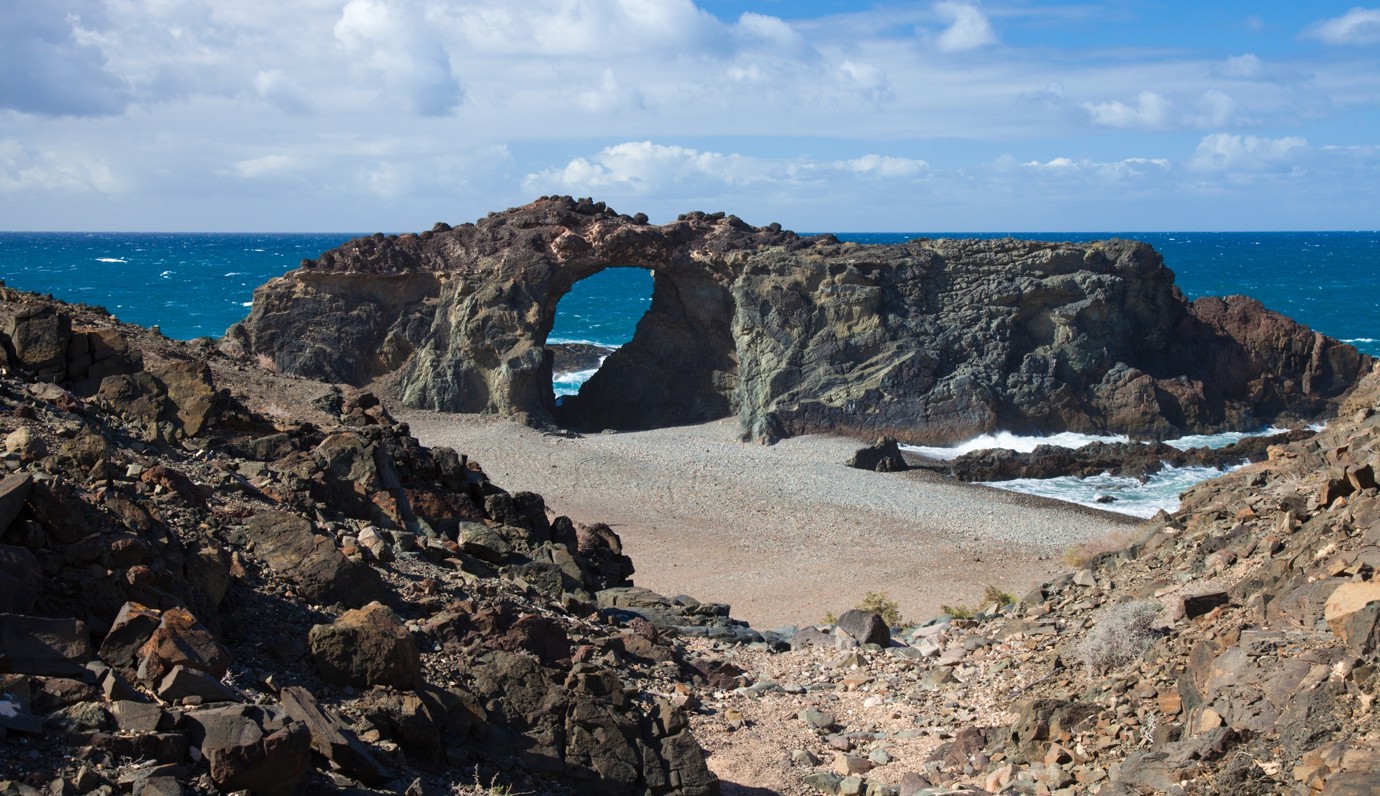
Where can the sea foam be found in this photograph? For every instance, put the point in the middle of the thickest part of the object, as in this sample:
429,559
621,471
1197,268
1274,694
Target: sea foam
1008,441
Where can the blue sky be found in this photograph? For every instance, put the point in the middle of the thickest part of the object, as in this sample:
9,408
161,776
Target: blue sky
953,115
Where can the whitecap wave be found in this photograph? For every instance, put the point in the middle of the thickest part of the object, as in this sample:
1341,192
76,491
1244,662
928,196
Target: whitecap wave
111,260
1362,340
166,274
1221,440
1008,441
578,341
1117,493
570,383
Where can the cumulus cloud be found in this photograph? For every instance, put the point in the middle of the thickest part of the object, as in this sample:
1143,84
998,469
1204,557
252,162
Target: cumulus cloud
47,69
968,27
394,45
884,166
580,27
1150,111
1357,26
1127,167
1225,151
641,167
611,96
1246,66
27,169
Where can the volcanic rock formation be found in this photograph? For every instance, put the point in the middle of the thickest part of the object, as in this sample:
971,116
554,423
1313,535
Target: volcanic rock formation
928,341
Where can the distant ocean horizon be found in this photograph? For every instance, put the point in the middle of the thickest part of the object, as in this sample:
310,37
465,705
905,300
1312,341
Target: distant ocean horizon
197,285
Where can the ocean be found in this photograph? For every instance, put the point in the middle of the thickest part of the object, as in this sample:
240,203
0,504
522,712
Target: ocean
195,285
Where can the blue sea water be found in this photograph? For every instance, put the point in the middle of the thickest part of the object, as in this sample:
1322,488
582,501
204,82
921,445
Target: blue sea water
193,285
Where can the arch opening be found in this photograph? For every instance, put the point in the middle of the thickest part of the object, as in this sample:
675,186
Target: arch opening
679,367
597,317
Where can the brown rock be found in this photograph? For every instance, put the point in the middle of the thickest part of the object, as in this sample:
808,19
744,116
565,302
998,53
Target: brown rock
331,738
322,574
179,640
192,393
39,645
133,626
1353,614
366,647
256,749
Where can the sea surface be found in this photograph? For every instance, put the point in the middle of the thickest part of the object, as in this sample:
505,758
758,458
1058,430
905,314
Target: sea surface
195,285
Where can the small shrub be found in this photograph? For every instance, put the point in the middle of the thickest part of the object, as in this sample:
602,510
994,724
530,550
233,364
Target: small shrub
1120,634
958,611
880,604
1082,554
992,594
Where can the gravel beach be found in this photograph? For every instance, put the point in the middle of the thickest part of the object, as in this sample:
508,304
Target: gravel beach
783,533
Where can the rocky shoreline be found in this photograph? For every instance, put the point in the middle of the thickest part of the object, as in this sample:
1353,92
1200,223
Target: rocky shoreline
215,578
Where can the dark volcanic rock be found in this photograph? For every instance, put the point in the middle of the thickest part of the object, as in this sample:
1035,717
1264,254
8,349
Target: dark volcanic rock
931,340
1132,459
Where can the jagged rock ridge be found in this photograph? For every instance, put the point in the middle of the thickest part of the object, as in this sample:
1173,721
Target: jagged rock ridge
929,341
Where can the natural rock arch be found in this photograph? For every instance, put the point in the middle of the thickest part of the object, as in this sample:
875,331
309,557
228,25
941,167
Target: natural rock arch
680,366
928,341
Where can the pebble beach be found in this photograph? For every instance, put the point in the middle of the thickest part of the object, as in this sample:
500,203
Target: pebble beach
783,533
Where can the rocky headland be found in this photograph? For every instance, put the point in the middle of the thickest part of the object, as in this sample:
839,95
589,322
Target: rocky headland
931,341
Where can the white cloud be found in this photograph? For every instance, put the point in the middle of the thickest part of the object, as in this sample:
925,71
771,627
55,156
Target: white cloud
390,43
968,27
1151,111
579,27
884,166
48,68
1246,67
26,169
266,165
1215,109
643,167
1357,26
1119,169
1224,151
611,96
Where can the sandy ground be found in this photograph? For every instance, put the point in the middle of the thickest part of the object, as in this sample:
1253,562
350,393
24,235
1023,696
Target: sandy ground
782,533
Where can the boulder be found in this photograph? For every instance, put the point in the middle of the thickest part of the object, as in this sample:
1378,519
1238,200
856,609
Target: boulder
1353,613
288,544
38,336
131,629
180,640
366,647
44,646
251,748
864,627
191,392
883,457
331,739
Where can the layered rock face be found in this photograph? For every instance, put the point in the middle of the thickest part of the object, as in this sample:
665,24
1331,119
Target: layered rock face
928,341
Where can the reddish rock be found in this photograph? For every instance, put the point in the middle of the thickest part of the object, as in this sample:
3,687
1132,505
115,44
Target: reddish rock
366,647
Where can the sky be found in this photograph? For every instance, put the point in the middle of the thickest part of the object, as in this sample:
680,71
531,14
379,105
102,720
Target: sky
822,115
